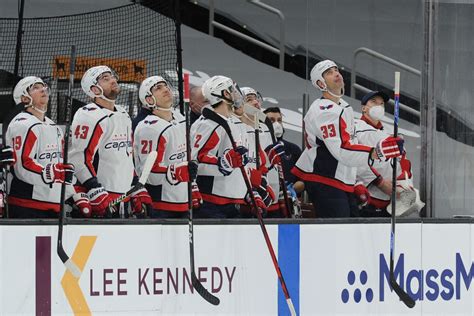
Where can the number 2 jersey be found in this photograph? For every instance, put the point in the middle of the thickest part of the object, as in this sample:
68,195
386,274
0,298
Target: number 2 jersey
332,153
35,144
101,147
209,141
169,140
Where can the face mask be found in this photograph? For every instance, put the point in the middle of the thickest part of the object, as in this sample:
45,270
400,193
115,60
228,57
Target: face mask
278,129
377,112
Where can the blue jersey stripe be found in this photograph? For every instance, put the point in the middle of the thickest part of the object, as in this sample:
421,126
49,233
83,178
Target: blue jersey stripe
289,260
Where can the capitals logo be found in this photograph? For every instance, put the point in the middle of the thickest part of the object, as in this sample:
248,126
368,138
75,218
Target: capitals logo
451,283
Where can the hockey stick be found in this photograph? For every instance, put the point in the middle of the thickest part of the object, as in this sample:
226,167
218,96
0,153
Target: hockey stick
197,285
393,282
149,162
213,116
281,176
70,265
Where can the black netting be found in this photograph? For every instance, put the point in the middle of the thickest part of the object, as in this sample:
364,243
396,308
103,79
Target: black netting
136,41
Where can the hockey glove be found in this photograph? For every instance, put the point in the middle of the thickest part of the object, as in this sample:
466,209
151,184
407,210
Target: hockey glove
181,172
275,153
99,199
58,172
362,194
232,159
390,147
141,201
81,200
255,176
6,156
291,191
195,196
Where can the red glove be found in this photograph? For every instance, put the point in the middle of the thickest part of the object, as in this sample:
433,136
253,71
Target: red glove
390,147
99,199
405,165
232,159
258,200
141,200
255,176
58,172
196,196
181,172
82,202
275,152
362,194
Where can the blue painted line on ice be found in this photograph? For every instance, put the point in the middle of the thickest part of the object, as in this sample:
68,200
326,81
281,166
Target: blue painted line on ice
289,260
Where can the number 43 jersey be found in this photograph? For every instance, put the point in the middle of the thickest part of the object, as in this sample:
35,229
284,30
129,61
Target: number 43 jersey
332,152
101,146
169,140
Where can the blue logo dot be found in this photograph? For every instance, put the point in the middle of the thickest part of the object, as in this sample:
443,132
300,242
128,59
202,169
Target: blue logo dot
345,295
369,295
351,277
363,277
357,295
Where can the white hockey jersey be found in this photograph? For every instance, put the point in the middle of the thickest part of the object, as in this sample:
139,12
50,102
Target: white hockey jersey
101,146
35,144
332,153
265,140
169,140
370,136
209,141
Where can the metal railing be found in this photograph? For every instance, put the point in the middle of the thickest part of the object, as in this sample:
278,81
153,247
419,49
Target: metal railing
258,3
370,52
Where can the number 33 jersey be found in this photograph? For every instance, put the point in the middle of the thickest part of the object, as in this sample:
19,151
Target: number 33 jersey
101,146
332,153
169,140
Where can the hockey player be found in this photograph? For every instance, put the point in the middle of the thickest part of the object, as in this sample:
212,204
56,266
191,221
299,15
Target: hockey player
374,187
330,160
222,187
38,147
101,144
269,154
164,130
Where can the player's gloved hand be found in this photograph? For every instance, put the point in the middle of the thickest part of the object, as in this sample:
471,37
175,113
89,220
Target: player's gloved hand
196,197
6,156
232,159
291,190
141,201
58,172
181,172
258,200
99,199
362,194
275,152
255,176
390,147
81,200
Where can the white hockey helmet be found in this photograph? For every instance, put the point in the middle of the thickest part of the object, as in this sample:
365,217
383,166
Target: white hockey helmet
21,88
91,78
318,71
248,90
214,87
145,90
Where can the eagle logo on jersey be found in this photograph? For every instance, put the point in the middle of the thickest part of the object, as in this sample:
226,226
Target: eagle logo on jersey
150,122
325,107
85,108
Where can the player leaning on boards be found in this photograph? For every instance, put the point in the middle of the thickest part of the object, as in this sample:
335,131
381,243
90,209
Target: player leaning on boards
101,144
38,147
222,187
163,129
329,162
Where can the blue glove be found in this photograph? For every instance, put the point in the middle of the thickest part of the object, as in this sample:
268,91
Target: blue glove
291,190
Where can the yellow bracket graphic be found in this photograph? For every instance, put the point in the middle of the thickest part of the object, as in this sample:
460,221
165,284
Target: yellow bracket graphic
70,284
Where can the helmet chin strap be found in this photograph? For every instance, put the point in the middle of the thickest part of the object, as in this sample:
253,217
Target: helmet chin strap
30,105
325,89
155,106
102,96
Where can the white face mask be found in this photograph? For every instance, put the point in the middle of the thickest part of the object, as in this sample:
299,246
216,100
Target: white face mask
278,129
377,112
